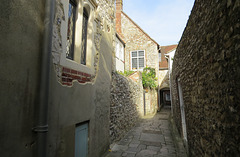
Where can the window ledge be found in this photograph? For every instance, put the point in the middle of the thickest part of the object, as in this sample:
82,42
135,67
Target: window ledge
78,67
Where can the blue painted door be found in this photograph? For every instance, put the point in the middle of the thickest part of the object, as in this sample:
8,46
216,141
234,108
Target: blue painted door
81,140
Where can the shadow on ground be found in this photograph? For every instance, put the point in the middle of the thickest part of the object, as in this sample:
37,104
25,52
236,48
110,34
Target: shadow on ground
151,137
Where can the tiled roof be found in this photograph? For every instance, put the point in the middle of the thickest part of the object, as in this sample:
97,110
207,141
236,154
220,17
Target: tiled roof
167,49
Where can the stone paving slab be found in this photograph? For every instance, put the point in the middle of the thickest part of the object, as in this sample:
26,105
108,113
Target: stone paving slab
152,137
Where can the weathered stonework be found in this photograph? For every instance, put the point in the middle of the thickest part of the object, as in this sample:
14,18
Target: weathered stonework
136,39
126,105
207,63
151,102
163,79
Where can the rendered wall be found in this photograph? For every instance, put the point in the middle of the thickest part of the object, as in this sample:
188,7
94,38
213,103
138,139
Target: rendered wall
21,41
207,63
77,96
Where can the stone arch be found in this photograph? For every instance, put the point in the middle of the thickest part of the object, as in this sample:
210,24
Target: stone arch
165,99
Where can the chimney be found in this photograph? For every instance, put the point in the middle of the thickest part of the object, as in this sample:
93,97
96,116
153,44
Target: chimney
119,7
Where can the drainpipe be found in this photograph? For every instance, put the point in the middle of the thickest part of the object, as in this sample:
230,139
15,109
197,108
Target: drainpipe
42,123
144,102
168,57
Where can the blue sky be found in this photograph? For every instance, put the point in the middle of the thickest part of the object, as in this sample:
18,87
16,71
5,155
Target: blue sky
163,20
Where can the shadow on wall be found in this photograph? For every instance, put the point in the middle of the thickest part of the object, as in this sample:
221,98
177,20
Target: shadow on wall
126,105
165,81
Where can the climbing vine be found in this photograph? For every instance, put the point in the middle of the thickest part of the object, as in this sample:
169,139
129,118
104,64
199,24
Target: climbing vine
149,78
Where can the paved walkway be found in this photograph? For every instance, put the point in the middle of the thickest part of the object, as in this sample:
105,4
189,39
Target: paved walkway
152,137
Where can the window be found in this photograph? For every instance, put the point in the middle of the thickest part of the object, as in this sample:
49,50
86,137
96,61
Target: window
160,57
84,36
168,97
138,60
77,36
119,50
121,55
71,29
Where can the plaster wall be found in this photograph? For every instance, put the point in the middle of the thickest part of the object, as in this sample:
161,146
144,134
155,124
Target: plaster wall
81,103
82,95
21,47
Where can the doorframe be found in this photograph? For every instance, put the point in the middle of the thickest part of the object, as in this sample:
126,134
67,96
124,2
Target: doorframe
182,112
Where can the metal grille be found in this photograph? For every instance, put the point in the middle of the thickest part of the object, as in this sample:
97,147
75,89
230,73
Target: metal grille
71,30
84,37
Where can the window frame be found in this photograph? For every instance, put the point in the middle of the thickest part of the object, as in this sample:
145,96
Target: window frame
144,56
75,64
72,45
119,50
160,57
84,36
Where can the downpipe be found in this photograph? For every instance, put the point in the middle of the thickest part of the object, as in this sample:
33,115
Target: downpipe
42,123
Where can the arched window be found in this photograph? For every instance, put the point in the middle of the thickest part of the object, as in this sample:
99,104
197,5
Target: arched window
71,29
84,36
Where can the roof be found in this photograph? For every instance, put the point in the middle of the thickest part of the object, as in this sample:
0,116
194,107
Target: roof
120,38
167,49
139,28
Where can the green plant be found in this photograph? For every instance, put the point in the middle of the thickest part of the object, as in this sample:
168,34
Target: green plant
149,78
125,73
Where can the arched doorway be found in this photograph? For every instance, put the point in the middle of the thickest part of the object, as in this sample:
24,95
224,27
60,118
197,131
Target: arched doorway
165,99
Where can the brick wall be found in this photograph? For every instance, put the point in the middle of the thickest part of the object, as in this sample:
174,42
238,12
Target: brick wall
208,64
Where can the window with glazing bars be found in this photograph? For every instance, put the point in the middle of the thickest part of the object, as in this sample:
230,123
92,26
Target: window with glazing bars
84,37
71,29
137,60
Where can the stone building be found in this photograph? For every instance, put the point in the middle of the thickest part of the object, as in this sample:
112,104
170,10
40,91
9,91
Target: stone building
140,49
205,80
55,98
165,63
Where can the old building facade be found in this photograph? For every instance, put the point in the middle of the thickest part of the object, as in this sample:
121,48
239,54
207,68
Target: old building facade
165,63
140,49
59,103
205,80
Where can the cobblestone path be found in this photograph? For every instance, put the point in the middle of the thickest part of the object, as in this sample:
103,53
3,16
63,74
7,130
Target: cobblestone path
152,137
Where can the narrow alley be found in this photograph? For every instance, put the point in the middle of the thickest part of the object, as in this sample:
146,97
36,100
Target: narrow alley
151,137
120,78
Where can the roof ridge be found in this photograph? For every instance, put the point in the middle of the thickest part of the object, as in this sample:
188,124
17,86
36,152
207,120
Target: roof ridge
140,28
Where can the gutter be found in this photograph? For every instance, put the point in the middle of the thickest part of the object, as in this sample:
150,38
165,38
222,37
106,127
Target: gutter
42,123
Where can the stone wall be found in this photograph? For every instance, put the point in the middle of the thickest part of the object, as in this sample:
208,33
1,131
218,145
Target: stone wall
136,39
126,105
207,63
151,102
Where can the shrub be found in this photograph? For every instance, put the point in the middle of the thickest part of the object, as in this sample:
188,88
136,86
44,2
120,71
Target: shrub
149,78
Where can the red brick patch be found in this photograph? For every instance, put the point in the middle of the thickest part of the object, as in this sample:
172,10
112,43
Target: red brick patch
68,75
